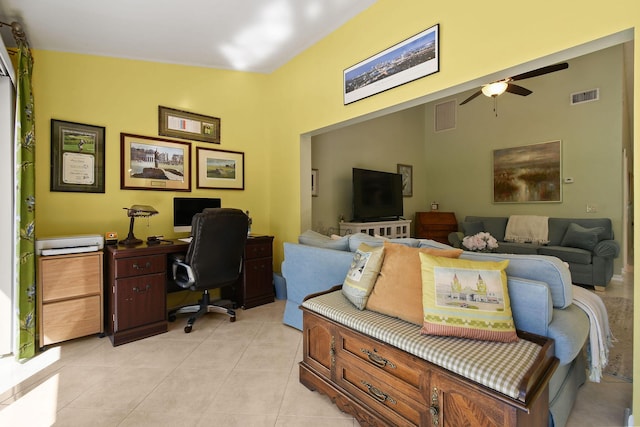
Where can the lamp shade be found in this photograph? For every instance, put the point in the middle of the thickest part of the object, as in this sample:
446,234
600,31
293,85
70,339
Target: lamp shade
495,88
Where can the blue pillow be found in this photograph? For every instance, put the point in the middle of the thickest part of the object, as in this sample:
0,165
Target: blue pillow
580,237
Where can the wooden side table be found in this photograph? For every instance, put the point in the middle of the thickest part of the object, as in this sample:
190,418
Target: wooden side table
255,286
435,225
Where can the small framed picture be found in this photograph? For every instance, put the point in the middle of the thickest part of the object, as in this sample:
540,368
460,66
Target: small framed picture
220,169
77,157
407,179
186,125
314,182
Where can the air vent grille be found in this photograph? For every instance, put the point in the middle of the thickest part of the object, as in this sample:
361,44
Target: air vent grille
445,116
586,96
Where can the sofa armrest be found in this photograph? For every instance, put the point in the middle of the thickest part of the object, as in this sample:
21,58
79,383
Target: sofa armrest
531,305
455,239
607,249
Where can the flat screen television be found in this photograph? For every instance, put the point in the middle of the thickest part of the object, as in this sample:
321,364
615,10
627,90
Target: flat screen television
184,208
377,196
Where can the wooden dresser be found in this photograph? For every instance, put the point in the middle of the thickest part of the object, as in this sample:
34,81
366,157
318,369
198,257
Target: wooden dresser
255,286
69,296
435,225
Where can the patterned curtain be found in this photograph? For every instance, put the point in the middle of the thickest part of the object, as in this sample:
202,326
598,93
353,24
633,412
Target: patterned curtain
25,202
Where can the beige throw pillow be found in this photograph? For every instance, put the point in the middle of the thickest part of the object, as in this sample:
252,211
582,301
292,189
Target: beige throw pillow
362,274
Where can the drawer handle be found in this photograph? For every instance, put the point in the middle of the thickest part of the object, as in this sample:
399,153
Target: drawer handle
433,409
137,267
378,360
137,289
378,394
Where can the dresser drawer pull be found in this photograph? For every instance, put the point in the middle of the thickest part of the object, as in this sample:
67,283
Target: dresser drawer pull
137,289
377,394
378,360
137,267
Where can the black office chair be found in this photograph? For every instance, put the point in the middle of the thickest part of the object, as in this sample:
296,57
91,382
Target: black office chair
213,260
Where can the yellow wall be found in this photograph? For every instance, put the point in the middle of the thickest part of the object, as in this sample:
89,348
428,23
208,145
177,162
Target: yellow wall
123,96
265,116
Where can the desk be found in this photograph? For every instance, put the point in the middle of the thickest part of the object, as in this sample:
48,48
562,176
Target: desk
137,281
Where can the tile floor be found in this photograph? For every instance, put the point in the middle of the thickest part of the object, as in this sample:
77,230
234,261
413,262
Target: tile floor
222,374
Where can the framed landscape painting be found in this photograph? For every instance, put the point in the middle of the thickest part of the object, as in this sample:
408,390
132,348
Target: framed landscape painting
528,174
220,169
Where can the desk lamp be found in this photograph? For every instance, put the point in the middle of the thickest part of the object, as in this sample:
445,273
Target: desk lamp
133,212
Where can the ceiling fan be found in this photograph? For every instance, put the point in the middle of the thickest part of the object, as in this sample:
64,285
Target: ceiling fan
505,85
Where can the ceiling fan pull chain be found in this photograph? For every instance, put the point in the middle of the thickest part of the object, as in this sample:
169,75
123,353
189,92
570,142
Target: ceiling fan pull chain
495,105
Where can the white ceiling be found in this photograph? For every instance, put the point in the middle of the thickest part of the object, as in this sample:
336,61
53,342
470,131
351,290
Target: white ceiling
246,35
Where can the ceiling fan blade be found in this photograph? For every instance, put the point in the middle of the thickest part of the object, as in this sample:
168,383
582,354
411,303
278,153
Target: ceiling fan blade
518,90
471,97
541,71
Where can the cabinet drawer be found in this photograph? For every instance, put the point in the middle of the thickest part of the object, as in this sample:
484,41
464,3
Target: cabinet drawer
65,320
136,266
139,301
384,398
258,250
68,277
400,370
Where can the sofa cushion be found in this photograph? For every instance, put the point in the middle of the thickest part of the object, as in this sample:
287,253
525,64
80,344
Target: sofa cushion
313,238
558,227
358,238
467,299
362,274
517,248
493,225
581,237
574,255
470,228
398,290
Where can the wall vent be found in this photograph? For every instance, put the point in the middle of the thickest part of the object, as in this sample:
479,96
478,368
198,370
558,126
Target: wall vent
445,116
586,96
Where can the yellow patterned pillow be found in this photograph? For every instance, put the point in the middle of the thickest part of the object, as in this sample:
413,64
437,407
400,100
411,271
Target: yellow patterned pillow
467,299
364,271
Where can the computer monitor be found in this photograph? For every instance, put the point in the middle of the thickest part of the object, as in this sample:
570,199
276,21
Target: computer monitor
184,208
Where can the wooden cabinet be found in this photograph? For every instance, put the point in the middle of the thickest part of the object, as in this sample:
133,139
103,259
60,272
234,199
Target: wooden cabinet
435,225
136,290
255,286
69,296
381,385
391,229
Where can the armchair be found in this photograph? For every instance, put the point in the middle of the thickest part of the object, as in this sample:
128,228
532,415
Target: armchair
213,260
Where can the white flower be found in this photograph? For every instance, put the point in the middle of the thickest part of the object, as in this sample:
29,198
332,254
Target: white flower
482,241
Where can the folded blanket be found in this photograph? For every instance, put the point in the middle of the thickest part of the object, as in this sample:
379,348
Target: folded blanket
600,336
527,229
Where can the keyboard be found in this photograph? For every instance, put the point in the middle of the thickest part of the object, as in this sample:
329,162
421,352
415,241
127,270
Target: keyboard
186,239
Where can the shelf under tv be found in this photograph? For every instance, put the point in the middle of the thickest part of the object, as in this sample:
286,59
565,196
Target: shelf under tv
393,229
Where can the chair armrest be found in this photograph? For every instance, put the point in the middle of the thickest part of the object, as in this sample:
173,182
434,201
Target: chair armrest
455,239
607,249
183,274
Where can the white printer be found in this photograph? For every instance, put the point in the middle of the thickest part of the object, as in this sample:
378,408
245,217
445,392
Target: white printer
61,245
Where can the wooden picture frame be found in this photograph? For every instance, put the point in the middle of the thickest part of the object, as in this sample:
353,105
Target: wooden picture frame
150,163
528,174
219,169
77,157
187,125
407,179
314,182
411,59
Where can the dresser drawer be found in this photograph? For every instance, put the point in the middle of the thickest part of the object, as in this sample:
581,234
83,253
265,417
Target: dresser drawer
139,301
401,370
70,277
137,266
70,319
260,249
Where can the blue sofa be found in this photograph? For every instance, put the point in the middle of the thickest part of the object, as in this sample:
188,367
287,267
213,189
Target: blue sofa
540,290
590,258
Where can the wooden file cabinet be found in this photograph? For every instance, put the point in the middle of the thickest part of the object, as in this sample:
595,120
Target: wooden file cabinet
69,296
255,286
435,225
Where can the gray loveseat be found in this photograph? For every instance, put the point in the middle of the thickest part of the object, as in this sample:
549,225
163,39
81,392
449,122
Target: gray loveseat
586,244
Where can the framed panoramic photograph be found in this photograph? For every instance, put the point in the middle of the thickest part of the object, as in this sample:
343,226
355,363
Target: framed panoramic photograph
77,157
528,174
314,182
187,125
149,163
407,179
415,57
220,169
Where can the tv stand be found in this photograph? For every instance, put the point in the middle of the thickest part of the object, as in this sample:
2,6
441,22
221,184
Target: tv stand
392,229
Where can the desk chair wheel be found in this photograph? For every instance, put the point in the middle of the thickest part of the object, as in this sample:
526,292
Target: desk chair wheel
187,329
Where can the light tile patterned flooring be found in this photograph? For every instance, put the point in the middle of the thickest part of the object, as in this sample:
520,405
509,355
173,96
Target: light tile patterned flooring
222,374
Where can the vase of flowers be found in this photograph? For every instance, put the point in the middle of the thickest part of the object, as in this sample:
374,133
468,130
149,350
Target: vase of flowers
481,242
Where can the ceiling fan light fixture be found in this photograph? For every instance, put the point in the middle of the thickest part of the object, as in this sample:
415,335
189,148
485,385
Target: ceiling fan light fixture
495,88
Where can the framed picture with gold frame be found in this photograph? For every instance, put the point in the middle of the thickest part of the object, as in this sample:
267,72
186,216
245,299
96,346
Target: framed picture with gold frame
187,125
150,163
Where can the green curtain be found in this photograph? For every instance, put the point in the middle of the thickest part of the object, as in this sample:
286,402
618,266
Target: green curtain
25,203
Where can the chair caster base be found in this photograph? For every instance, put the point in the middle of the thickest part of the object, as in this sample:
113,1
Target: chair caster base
187,329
